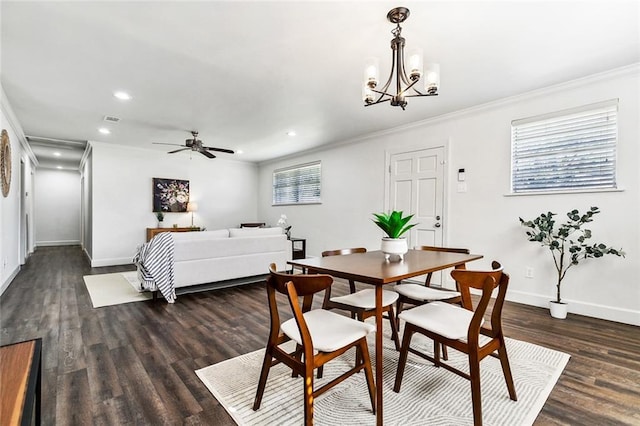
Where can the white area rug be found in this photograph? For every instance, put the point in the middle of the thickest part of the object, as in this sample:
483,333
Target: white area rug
114,289
428,395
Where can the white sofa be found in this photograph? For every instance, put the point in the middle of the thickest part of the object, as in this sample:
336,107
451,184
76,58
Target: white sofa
227,254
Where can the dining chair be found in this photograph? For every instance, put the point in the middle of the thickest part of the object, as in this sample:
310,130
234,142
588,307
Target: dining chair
362,304
320,337
419,294
462,328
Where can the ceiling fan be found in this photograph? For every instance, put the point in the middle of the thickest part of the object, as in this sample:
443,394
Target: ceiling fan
195,144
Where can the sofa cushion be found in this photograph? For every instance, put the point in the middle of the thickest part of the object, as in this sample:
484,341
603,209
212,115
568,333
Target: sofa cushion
200,235
186,249
254,232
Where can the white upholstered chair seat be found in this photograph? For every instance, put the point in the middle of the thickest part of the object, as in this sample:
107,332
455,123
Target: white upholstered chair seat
366,299
329,331
445,319
422,292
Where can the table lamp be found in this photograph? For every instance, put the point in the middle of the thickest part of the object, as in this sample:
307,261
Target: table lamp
192,207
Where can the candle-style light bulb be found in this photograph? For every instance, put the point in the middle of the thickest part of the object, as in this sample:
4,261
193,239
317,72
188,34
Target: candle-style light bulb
432,79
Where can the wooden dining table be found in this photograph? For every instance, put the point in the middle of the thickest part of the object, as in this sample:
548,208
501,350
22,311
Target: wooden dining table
372,268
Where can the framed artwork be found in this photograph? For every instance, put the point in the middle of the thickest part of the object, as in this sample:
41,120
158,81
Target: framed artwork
5,163
170,195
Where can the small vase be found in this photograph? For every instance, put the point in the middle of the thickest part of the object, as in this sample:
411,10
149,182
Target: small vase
394,246
160,224
558,310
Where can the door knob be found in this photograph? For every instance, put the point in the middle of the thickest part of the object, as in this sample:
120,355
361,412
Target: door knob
437,225
438,217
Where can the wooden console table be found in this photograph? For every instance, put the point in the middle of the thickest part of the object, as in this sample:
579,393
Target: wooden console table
151,232
20,381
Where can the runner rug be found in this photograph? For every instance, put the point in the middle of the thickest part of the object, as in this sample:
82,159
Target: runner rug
428,395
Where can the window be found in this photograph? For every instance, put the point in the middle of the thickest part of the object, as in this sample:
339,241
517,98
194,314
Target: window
570,150
297,185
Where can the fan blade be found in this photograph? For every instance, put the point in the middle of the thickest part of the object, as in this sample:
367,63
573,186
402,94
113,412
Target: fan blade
160,143
177,150
207,154
228,151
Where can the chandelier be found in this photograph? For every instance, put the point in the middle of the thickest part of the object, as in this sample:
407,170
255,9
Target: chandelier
406,86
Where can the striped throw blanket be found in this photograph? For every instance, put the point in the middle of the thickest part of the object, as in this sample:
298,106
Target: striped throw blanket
155,265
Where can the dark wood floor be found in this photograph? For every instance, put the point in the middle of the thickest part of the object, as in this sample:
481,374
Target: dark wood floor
134,363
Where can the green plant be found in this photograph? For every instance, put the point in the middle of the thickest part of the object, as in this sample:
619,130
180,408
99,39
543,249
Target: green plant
160,216
568,242
393,224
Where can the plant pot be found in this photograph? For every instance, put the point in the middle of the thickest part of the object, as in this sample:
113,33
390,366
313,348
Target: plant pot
558,310
160,224
394,246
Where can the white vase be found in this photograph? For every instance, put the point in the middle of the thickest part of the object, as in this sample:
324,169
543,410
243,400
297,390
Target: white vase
160,224
558,310
394,246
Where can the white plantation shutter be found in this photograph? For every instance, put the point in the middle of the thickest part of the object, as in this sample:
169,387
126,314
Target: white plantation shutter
569,150
297,185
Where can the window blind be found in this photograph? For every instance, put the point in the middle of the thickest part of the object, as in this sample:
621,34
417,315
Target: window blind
297,185
569,150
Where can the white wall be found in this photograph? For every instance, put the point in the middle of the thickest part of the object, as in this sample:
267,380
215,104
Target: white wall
483,218
57,207
122,202
10,213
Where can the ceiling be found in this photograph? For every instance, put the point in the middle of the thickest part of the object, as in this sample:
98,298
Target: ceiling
245,73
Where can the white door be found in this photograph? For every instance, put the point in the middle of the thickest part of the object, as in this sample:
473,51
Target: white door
416,186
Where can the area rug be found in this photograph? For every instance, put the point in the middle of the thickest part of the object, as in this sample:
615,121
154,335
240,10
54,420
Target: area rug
114,289
428,395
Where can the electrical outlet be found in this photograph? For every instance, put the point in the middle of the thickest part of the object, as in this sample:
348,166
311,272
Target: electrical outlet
528,272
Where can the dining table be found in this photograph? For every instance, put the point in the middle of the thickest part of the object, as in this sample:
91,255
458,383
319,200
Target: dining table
372,268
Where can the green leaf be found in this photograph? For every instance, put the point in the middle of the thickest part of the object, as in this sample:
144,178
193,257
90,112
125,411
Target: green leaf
393,224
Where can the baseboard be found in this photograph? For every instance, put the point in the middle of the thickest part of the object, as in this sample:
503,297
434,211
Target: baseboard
57,243
625,316
97,263
7,282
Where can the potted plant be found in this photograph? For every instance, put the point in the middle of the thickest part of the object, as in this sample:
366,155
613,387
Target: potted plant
568,245
160,217
394,225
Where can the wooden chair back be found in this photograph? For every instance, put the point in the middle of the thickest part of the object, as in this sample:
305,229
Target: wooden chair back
486,281
303,285
471,282
343,251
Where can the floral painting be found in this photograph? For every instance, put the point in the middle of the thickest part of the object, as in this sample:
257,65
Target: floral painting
170,195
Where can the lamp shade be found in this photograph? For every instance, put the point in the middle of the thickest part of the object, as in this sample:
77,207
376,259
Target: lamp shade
192,207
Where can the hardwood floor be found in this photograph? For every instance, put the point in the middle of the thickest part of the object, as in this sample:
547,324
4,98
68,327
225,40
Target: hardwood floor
134,363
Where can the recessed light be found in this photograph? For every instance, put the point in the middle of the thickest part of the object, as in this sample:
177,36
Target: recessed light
104,130
123,96
57,154
239,151
59,167
291,133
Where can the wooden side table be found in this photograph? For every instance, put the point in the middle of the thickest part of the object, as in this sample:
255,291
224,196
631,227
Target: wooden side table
151,232
20,381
